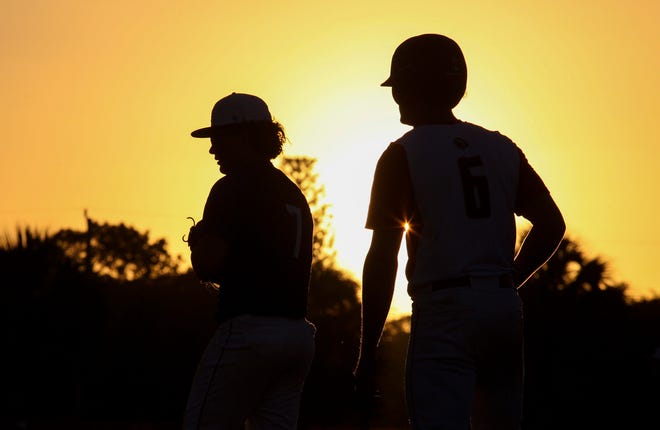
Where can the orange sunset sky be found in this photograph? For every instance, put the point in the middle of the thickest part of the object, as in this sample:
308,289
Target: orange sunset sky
99,98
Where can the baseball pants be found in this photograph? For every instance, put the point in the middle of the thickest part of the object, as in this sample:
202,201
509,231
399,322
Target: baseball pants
464,367
251,375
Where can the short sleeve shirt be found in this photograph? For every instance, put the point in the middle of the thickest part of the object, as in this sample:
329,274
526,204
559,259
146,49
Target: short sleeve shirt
266,221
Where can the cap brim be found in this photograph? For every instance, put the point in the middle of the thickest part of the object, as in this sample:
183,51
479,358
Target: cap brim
202,132
387,83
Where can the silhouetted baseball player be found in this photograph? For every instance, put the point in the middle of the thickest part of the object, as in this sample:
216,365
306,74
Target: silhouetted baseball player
453,188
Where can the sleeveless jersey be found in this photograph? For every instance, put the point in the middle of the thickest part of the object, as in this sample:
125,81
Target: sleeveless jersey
458,188
266,221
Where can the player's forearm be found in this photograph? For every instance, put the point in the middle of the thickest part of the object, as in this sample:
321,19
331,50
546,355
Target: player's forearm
548,228
537,248
377,290
208,257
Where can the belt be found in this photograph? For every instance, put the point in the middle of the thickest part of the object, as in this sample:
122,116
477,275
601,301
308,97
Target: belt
502,281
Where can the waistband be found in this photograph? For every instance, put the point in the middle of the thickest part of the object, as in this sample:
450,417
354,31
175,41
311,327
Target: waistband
221,319
501,281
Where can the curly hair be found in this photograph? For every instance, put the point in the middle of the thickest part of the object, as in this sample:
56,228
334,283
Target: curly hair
266,138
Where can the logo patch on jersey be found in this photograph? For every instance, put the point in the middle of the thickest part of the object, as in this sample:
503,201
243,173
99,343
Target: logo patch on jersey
461,143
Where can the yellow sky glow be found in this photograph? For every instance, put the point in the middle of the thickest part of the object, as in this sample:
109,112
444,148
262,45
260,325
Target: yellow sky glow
99,99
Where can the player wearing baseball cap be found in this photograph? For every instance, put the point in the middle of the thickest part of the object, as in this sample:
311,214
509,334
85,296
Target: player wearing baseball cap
254,241
453,189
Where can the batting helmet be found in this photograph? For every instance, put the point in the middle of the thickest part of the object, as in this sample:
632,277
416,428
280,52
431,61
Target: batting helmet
430,61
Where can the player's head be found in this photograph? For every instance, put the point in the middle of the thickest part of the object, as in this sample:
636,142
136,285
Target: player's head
427,71
242,126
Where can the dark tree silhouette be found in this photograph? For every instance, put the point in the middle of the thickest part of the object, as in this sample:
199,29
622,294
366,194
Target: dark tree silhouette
49,318
81,345
584,363
117,251
573,273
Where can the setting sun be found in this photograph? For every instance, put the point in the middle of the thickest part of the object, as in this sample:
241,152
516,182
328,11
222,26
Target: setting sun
99,100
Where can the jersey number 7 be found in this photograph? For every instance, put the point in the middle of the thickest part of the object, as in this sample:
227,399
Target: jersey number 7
476,193
295,211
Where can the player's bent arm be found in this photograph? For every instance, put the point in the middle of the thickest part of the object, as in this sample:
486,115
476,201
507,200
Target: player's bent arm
543,239
208,255
378,278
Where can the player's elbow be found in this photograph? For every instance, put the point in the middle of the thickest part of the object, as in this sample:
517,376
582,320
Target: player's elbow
551,228
556,225
545,216
560,227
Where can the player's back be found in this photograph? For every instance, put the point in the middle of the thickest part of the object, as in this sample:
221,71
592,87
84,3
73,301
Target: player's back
464,181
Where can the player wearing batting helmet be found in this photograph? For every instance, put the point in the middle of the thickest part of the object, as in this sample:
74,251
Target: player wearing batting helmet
254,241
453,189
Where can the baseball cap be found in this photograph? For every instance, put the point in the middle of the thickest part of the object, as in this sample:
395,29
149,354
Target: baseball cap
426,56
236,108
